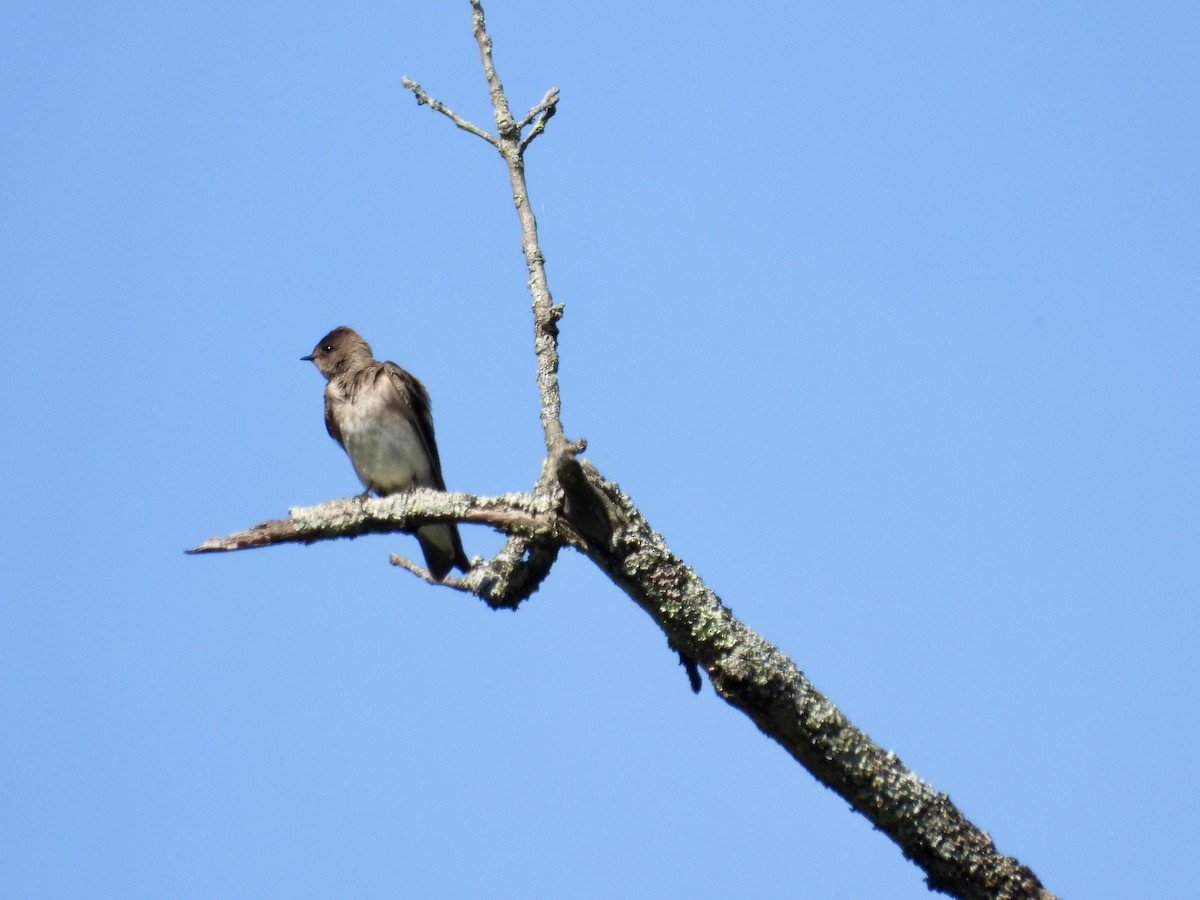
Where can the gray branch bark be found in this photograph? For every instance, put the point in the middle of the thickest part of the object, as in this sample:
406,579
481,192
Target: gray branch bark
573,505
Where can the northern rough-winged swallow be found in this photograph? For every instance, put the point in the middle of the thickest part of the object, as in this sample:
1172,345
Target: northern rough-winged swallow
380,415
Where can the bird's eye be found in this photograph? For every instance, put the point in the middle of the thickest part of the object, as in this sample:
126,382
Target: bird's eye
328,348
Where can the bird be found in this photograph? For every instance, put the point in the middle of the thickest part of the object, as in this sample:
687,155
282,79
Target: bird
380,415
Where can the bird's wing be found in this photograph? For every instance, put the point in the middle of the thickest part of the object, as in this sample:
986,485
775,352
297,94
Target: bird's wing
331,424
414,397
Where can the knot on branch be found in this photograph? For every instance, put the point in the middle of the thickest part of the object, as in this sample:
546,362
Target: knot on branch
583,506
547,321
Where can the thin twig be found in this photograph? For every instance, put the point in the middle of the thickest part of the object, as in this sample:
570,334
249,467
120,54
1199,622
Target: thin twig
549,100
504,119
504,581
423,99
421,572
547,107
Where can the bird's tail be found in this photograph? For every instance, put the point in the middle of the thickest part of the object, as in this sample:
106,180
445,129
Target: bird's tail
443,549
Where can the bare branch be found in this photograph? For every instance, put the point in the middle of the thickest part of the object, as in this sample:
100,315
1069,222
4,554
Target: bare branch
573,505
545,313
514,513
756,677
423,99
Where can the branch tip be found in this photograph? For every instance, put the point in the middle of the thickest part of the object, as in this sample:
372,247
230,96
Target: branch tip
547,102
423,99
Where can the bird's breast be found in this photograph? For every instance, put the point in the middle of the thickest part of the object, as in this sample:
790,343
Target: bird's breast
383,443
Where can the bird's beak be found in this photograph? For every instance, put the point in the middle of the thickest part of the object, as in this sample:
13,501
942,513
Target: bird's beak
306,358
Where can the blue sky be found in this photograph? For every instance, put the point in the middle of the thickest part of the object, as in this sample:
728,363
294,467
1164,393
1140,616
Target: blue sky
885,314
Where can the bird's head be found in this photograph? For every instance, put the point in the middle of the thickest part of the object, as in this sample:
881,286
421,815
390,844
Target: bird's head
337,350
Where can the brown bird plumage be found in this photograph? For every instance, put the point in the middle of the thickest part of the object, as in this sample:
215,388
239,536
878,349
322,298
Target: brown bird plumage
380,415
